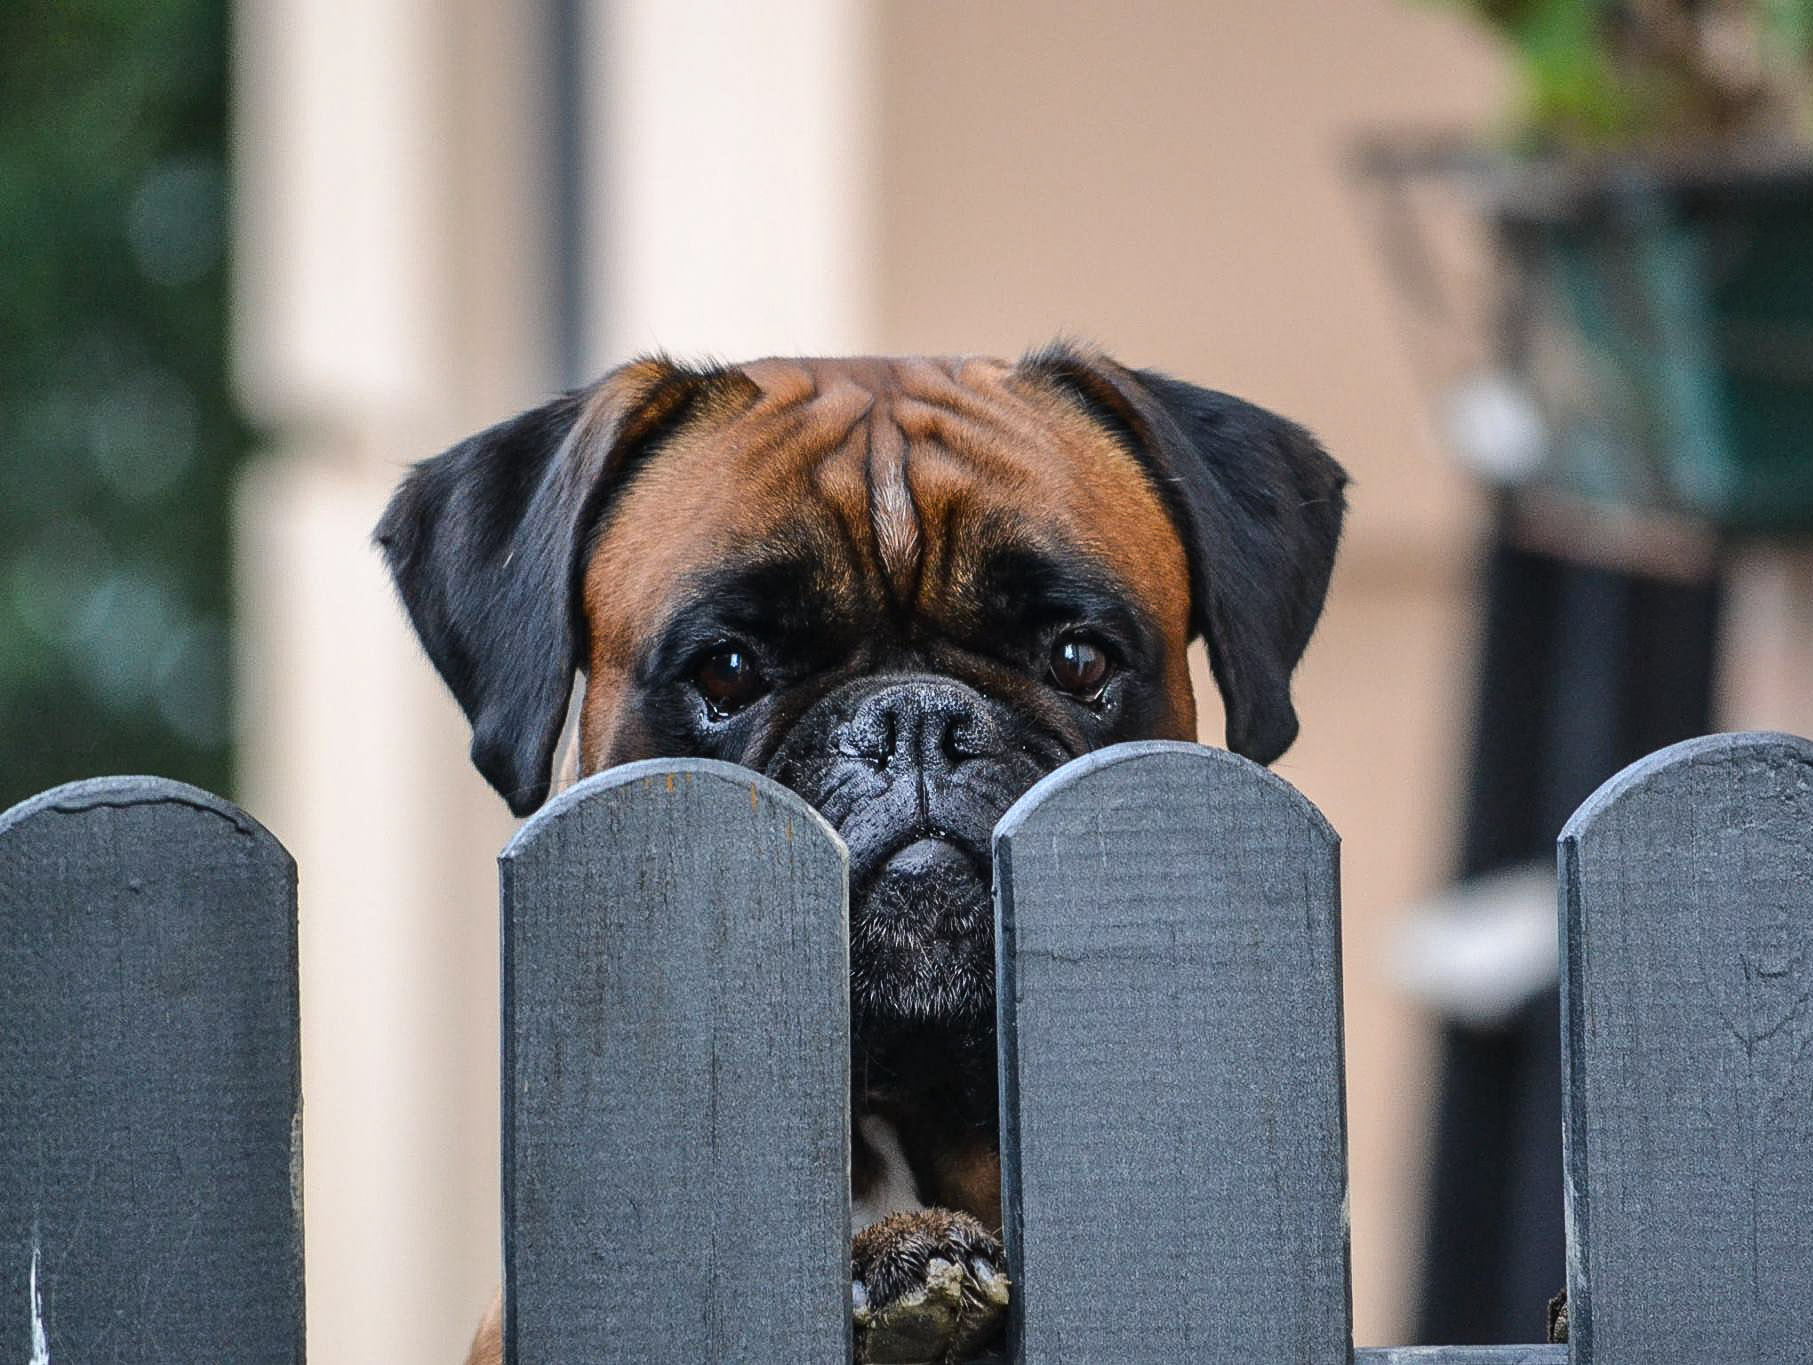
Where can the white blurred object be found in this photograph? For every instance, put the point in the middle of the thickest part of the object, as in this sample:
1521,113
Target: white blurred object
1491,422
1479,950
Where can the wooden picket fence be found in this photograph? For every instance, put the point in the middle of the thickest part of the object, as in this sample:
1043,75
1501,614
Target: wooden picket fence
676,1065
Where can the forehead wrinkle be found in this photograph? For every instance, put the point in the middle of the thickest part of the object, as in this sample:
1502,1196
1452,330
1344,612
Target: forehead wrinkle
994,449
733,481
946,573
969,390
782,382
893,510
840,489
1040,465
793,436
941,450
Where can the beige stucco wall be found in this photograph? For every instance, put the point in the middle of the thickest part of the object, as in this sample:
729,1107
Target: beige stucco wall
800,175
1163,176
390,298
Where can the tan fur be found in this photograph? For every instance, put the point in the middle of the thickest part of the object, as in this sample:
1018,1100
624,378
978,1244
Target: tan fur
897,459
488,1341
900,460
970,1180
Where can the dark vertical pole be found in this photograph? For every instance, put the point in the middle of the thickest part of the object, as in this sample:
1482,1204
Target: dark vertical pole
570,280
150,1128
1582,669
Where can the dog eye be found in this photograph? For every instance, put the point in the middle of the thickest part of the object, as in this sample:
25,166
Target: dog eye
1079,665
728,679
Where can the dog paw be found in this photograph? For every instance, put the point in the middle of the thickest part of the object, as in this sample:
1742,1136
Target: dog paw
928,1288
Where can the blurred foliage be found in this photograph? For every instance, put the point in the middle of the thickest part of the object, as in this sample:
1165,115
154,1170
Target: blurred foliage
117,434
1661,74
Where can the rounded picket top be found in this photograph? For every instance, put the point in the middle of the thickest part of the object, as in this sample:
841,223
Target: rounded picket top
145,794
676,1072
149,1055
1134,770
703,788
1168,962
1744,763
1687,960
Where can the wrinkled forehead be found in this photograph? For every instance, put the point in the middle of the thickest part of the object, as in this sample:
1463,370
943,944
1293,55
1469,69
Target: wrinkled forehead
905,470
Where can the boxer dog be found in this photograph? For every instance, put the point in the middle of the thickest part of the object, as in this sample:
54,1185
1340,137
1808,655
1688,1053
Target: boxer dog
906,589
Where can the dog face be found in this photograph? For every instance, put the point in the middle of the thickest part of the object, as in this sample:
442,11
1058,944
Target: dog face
904,588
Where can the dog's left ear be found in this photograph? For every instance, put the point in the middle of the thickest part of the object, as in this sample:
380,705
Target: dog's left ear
486,544
1258,504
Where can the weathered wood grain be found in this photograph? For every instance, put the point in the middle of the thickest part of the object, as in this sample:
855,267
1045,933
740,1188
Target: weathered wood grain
676,1075
1415,1355
1460,1355
1418,1355
1172,1097
150,1167
1687,886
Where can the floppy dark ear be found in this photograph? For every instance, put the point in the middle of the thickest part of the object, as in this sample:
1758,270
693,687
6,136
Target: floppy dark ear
486,544
1258,504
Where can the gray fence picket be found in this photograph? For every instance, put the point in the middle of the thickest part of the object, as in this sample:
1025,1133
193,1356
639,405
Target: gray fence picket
1460,1355
1173,1125
1687,885
676,1073
150,1176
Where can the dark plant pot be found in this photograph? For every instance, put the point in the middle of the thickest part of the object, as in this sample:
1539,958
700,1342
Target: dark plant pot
1668,334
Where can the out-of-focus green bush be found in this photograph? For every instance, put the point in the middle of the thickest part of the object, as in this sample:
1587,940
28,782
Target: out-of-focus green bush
1659,74
117,434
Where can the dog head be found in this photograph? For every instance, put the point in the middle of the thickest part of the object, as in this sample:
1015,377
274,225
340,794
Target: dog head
904,588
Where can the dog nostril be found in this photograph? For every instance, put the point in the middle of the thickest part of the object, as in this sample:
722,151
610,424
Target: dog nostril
862,753
970,736
865,739
951,745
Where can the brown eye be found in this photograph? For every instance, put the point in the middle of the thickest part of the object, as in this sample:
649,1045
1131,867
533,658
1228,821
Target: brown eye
728,679
1079,665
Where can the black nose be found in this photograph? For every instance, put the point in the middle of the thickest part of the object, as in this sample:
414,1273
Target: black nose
929,724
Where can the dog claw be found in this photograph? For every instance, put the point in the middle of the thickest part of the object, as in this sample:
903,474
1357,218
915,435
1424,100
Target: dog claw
932,1291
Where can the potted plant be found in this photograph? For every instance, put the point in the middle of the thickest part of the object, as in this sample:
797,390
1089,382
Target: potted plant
1634,374
1653,202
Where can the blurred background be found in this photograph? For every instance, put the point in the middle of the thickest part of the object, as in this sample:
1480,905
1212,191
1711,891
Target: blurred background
1535,270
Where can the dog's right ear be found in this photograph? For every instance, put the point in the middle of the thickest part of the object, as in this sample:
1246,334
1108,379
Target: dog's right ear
486,544
1258,506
